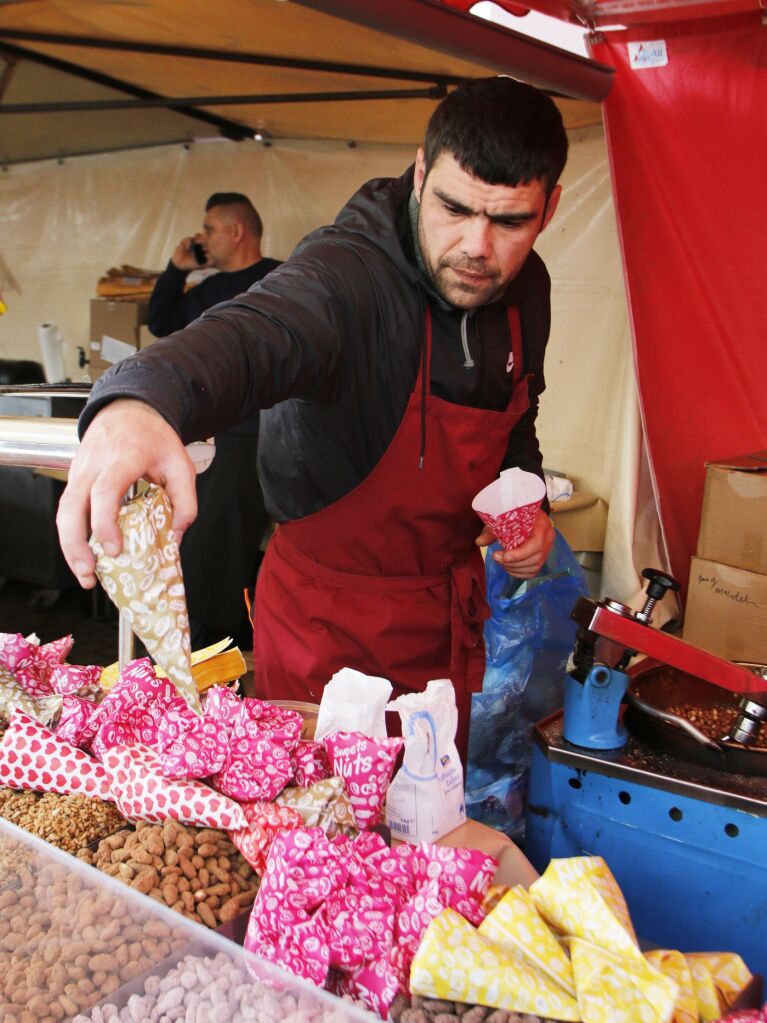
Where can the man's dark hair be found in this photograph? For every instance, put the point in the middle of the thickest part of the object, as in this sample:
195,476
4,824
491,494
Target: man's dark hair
501,131
247,211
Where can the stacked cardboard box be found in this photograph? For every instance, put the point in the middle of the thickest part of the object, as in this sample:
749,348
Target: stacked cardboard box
117,331
727,598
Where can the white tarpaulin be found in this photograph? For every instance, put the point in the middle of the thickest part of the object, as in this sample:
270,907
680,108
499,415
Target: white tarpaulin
65,224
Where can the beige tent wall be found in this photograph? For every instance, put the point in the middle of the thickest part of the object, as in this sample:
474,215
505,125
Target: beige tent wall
65,224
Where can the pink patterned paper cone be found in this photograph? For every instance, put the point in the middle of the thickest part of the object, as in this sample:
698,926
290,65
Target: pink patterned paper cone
32,757
76,679
366,766
30,663
265,821
142,793
77,721
509,506
131,714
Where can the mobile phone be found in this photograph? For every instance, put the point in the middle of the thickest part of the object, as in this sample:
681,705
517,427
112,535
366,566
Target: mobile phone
199,253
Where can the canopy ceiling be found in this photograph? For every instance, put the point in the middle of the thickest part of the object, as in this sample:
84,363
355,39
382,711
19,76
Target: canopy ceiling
84,76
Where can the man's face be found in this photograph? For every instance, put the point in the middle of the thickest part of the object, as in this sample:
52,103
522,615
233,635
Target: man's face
474,237
218,237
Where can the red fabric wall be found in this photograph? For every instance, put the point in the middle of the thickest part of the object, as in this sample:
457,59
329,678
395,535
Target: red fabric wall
688,151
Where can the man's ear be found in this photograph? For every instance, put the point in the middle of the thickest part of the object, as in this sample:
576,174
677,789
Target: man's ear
551,206
237,230
420,173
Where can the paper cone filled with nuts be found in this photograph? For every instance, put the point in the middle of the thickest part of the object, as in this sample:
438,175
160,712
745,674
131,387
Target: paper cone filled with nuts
145,582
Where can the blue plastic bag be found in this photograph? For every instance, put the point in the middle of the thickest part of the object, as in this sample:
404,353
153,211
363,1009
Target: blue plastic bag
528,639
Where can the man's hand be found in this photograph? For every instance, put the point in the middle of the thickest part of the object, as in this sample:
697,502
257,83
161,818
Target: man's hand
183,257
126,441
525,561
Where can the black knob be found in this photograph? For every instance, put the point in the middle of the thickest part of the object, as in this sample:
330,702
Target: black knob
660,583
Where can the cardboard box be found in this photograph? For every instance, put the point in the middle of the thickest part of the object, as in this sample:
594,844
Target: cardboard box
733,525
115,332
727,611
582,520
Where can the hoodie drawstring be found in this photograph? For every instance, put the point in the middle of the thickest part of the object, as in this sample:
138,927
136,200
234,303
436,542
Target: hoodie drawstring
468,362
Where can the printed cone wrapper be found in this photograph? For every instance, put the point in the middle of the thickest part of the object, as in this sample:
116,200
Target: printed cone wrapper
12,697
509,505
376,983
131,714
456,963
515,923
579,897
32,757
144,581
358,927
717,979
322,805
142,793
30,663
675,966
366,765
265,821
613,989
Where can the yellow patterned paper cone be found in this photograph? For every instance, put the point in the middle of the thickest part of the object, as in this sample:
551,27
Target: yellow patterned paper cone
580,897
144,581
456,963
516,924
493,896
718,978
613,989
674,965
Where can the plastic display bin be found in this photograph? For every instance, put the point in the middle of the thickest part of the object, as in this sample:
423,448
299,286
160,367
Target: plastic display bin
77,945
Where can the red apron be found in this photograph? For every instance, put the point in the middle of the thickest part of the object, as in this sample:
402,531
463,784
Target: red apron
388,579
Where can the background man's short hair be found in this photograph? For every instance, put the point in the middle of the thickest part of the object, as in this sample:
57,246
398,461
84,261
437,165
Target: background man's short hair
501,131
247,210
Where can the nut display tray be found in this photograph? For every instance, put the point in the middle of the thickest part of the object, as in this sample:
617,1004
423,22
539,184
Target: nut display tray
73,941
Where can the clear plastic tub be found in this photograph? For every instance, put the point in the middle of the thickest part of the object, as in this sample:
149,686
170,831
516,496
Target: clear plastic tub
77,945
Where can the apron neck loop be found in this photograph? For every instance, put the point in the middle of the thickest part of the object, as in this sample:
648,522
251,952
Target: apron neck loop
424,374
515,330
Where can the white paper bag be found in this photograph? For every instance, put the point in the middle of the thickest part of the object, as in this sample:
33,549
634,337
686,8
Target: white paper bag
353,702
426,797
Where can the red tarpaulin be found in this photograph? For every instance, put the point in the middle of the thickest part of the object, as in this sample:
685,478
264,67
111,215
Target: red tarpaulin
688,148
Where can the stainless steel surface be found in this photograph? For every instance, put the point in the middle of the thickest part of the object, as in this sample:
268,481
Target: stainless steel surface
37,442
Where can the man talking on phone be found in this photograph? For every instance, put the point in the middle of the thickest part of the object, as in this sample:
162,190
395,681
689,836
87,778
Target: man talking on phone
220,553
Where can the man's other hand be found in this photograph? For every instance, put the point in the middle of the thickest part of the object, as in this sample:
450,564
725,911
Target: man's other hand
525,561
126,441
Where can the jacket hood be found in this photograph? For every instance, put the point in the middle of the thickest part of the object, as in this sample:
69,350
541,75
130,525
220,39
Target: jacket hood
378,213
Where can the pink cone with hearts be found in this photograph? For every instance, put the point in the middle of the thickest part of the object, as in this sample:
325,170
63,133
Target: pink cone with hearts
32,757
509,506
142,793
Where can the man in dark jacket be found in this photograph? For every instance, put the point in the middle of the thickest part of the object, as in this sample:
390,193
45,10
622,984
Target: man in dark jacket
399,356
221,550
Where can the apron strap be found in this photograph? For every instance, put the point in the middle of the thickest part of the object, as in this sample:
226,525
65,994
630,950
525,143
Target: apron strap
515,329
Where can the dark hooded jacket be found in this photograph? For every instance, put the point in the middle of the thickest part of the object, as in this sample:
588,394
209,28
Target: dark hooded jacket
328,345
